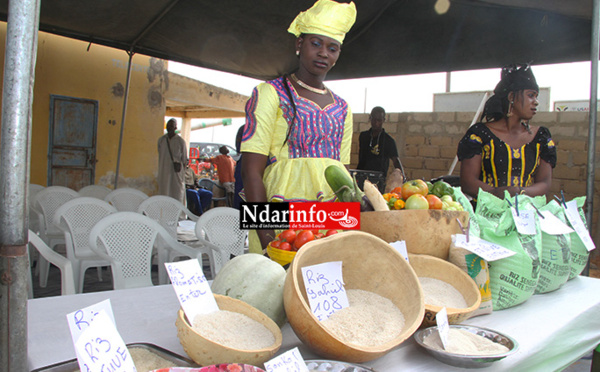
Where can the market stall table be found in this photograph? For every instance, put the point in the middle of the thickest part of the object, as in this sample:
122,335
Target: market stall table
553,329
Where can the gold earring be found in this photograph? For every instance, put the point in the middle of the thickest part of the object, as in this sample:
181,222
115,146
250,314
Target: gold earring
510,107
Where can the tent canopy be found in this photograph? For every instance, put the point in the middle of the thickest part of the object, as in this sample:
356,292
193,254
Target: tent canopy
390,37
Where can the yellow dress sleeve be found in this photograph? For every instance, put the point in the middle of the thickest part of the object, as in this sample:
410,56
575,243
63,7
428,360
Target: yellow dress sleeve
261,115
346,139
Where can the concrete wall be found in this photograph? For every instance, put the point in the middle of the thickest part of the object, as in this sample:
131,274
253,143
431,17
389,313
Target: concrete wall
427,145
76,69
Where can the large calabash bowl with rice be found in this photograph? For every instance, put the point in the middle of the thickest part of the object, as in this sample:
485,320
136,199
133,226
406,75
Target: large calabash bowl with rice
425,231
381,288
445,285
227,341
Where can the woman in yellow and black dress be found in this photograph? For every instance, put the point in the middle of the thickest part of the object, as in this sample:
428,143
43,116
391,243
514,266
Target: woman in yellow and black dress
504,152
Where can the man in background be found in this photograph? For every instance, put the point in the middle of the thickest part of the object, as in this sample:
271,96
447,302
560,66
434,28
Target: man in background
198,199
172,161
225,169
376,147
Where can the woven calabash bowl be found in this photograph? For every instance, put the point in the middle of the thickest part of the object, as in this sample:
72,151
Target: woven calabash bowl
206,352
425,231
368,263
436,268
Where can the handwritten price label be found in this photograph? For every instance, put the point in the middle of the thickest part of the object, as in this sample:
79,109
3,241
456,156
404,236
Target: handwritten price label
192,288
578,225
400,246
290,361
552,225
441,319
524,221
484,249
81,319
325,288
100,348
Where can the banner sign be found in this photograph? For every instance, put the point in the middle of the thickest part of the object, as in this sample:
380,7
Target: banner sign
300,216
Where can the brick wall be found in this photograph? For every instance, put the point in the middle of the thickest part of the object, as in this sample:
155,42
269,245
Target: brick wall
427,146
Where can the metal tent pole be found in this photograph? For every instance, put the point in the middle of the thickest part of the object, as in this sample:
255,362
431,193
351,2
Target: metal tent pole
17,99
124,113
594,55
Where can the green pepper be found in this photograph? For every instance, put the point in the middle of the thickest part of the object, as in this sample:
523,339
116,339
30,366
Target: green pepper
429,186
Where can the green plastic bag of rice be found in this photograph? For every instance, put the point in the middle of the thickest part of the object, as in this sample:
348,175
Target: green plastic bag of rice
556,254
469,262
512,279
579,253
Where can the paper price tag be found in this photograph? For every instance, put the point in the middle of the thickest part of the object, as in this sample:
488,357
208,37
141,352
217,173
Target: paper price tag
400,246
100,348
578,225
290,361
484,249
325,288
441,318
524,221
81,319
552,225
192,288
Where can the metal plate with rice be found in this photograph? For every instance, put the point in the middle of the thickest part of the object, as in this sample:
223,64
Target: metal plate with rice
468,361
176,360
335,366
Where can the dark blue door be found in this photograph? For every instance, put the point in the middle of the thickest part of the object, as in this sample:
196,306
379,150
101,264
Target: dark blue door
72,141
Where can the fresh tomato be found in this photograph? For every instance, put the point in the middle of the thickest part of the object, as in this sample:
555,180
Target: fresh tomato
397,190
416,201
303,237
285,246
275,243
331,232
434,202
414,187
288,236
319,235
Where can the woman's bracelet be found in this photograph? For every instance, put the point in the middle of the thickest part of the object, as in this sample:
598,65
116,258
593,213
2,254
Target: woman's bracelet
521,191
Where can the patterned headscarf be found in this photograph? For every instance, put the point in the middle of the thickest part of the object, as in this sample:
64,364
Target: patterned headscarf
514,78
325,17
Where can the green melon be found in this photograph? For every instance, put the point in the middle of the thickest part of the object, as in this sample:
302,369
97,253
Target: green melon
256,280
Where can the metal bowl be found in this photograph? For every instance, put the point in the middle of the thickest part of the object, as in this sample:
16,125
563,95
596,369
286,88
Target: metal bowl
335,366
468,361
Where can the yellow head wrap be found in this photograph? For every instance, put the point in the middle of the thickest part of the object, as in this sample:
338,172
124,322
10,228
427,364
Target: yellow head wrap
325,17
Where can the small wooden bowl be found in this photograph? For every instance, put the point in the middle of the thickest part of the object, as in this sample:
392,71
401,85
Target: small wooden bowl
368,263
206,352
426,231
436,268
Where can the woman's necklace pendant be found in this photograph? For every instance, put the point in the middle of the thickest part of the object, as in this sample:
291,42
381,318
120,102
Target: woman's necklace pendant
308,87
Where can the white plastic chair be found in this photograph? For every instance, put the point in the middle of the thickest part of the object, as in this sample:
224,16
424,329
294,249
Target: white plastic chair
126,239
47,201
95,191
221,226
67,283
34,222
167,211
126,199
76,219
